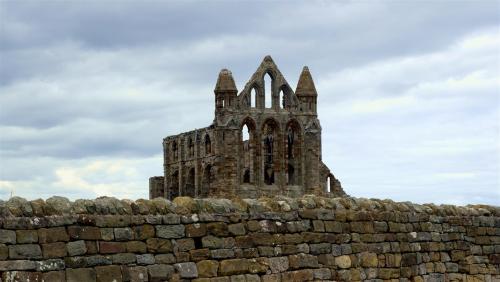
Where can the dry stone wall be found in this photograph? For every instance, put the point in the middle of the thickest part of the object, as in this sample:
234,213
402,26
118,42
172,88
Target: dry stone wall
218,240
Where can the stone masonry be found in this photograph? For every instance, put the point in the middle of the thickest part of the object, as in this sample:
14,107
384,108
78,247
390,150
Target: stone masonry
310,238
262,142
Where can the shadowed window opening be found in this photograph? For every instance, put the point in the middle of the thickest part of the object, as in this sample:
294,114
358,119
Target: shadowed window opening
291,175
174,185
208,145
189,187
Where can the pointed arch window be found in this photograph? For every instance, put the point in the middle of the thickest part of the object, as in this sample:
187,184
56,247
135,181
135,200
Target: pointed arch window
175,152
268,90
208,145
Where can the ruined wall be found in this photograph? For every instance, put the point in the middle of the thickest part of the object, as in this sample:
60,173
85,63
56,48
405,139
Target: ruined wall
280,239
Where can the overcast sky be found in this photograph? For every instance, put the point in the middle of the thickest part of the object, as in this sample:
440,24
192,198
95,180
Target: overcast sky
408,92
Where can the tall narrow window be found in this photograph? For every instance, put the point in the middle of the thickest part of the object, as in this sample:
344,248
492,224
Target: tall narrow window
174,151
191,147
253,97
174,185
328,188
282,99
268,90
245,133
208,145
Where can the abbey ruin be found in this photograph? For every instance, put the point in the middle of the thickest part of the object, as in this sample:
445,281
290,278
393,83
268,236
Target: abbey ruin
253,147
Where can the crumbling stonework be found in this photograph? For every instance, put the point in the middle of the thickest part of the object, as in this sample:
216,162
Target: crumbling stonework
254,147
309,238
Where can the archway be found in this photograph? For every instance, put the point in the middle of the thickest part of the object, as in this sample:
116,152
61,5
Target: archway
270,149
208,145
268,90
174,185
247,151
207,181
189,186
293,150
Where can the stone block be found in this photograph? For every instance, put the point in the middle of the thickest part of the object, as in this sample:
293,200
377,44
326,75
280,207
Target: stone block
160,272
145,259
4,252
343,261
111,247
123,234
183,245
7,236
59,276
84,233
278,264
15,276
156,245
186,269
16,265
51,235
303,261
199,254
236,229
207,268
80,275
165,259
123,258
50,265
27,251
108,273
26,236
212,242
138,274
136,247
368,259
221,253
143,232
233,267
54,250
76,248
298,275
170,231
196,230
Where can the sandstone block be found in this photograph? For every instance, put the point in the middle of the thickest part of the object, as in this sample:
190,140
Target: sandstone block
236,229
278,264
84,233
233,267
184,245
138,274
143,232
26,236
80,275
145,259
212,242
303,261
51,235
160,272
76,248
156,245
11,265
136,247
50,265
186,269
59,276
109,273
4,252
207,268
343,261
54,250
123,258
199,254
368,259
7,236
123,234
165,259
170,231
111,247
298,275
196,230
107,234
27,251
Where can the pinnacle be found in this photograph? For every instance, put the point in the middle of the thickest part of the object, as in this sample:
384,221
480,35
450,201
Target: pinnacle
225,81
305,86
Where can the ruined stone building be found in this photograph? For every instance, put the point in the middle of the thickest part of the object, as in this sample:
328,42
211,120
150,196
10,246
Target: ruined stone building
262,142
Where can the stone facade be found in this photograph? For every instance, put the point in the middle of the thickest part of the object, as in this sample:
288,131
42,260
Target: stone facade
262,142
271,239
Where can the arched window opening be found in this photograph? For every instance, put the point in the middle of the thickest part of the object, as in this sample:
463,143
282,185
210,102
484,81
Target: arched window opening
269,151
253,97
290,143
207,181
268,90
291,175
246,176
189,186
175,153
282,99
208,145
191,147
174,185
245,133
328,188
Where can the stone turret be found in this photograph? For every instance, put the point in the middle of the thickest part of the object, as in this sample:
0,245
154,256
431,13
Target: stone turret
225,90
306,91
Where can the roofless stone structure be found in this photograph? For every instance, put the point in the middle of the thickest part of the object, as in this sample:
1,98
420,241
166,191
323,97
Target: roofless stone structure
262,142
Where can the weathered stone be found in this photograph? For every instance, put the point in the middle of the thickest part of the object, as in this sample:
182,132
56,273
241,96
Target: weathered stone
343,261
298,275
123,234
156,245
136,247
51,235
207,268
28,251
278,264
7,236
111,247
160,271
11,265
186,269
59,276
196,230
4,252
76,248
123,258
57,205
368,259
143,232
233,267
54,250
165,258
26,236
107,234
80,275
84,233
303,261
145,259
138,274
236,229
170,231
212,242
50,265
109,273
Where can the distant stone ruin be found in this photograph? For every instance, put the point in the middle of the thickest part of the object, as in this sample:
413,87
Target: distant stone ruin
262,142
